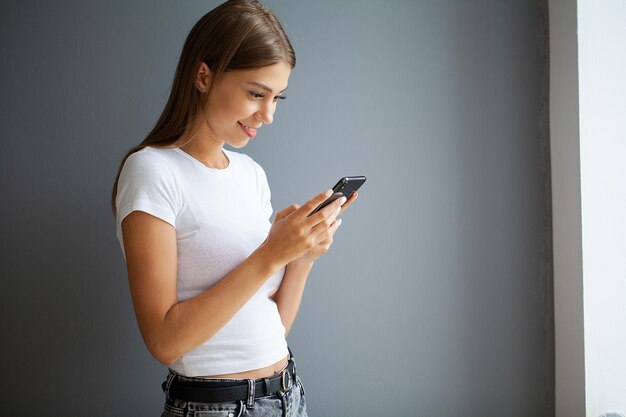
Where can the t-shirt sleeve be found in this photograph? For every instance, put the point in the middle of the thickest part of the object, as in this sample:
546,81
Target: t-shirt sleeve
147,184
264,192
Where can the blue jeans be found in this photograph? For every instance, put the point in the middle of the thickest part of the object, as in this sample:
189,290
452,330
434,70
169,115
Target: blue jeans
290,403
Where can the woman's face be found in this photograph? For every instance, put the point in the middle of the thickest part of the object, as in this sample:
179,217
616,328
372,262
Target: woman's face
244,100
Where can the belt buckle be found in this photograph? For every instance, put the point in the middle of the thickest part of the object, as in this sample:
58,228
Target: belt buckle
286,380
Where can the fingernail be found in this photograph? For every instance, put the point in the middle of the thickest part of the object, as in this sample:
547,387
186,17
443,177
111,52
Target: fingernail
342,200
328,193
339,222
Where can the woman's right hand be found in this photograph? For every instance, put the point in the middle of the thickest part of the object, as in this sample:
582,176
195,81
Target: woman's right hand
293,233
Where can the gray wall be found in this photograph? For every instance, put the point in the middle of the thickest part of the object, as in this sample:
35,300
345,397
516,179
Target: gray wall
436,297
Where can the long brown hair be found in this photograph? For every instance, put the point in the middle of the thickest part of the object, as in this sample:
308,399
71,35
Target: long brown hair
237,35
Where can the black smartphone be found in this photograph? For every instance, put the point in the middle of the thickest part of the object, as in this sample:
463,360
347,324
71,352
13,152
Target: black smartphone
345,187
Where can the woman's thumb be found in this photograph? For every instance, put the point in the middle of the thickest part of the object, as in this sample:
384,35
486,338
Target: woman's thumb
286,212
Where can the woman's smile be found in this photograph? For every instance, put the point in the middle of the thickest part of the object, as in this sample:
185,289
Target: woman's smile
250,131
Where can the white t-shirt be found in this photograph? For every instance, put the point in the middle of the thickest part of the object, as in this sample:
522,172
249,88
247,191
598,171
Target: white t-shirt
220,217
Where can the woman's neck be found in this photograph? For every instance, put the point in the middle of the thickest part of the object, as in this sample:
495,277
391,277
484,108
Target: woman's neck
203,146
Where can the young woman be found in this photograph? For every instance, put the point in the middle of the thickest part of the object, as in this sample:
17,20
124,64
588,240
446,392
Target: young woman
215,285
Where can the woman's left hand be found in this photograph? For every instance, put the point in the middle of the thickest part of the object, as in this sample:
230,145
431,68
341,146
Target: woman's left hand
312,255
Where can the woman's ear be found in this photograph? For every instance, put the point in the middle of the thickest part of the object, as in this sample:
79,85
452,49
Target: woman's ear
203,77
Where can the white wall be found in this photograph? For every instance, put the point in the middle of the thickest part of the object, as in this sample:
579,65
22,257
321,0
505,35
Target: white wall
588,145
602,95
567,240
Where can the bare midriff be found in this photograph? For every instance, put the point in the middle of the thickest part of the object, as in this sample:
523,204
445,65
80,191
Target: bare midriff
256,373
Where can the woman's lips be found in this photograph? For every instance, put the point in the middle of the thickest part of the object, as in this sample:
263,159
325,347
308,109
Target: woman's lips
251,132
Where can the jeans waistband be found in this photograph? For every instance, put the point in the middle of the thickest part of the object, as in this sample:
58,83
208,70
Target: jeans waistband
210,390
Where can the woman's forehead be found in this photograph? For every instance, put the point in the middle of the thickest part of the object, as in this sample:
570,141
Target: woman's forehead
272,78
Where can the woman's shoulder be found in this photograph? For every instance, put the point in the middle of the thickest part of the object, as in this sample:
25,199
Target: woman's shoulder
150,162
158,156
152,153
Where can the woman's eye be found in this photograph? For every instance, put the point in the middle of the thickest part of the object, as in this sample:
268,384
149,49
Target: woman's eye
256,94
280,97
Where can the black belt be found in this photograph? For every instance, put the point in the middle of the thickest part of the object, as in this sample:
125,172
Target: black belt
241,390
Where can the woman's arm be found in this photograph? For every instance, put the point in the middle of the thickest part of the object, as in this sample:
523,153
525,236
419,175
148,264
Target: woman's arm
289,295
170,328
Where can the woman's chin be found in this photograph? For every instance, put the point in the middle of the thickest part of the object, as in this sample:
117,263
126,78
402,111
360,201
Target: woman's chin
238,143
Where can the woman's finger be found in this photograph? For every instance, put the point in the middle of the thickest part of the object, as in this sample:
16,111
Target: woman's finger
326,237
324,219
310,205
332,209
350,201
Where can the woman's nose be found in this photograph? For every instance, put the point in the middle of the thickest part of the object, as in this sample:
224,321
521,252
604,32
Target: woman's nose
266,113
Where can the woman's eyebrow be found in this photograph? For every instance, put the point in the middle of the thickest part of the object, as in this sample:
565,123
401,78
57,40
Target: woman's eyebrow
264,87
